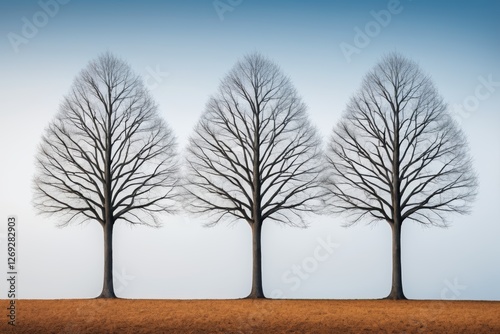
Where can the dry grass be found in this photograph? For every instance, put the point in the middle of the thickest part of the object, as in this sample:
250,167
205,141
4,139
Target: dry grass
253,316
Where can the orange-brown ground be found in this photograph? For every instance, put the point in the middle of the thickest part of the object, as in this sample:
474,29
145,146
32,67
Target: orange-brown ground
250,316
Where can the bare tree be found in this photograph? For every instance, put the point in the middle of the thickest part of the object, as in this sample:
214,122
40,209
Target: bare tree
397,155
107,156
254,156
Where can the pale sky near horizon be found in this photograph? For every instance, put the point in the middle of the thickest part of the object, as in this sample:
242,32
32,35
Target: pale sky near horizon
183,49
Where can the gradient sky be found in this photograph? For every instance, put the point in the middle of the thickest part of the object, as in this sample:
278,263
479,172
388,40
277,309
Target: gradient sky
192,47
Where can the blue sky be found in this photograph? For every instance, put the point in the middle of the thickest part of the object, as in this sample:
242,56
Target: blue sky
190,48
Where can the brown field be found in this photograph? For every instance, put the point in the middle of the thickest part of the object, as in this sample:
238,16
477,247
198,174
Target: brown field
253,316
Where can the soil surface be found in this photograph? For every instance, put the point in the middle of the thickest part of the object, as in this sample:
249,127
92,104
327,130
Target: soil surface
252,316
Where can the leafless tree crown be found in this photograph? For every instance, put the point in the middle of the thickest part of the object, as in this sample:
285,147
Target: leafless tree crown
397,148
107,144
254,150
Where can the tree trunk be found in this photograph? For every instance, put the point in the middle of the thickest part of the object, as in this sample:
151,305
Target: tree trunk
108,290
397,279
397,222
257,290
256,223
